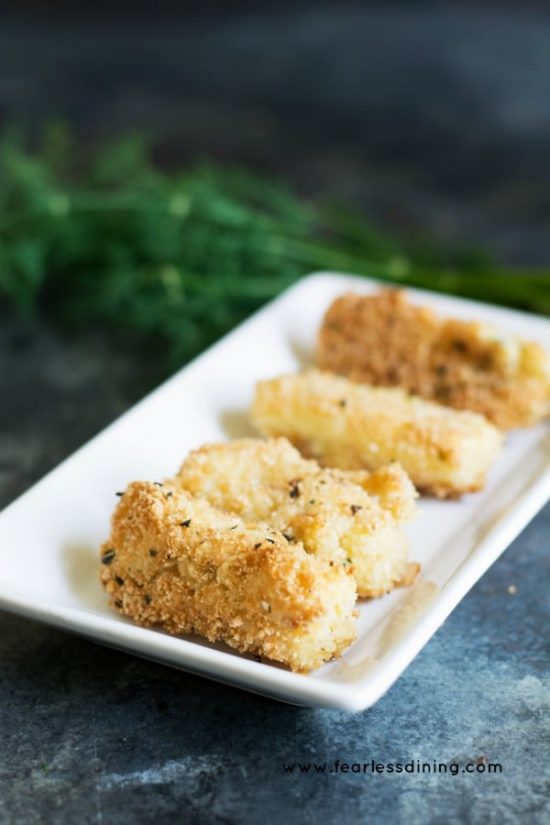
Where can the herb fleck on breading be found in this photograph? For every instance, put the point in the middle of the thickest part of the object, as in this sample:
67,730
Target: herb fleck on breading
294,489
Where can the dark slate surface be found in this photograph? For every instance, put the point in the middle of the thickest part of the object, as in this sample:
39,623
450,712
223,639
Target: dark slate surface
431,115
372,105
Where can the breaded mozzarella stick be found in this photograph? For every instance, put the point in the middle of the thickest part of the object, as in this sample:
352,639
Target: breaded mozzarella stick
350,518
384,340
445,452
175,562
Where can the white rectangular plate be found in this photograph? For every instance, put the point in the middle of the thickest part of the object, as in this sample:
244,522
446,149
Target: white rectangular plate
50,535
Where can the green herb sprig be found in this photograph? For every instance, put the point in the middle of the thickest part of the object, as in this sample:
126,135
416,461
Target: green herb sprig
183,256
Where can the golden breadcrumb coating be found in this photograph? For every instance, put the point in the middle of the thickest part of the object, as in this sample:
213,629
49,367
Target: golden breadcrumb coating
354,426
350,518
175,562
384,340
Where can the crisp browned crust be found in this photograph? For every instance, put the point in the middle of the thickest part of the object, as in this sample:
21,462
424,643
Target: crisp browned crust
350,518
384,340
354,426
175,562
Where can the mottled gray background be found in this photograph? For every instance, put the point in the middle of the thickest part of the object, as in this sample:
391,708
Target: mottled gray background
433,116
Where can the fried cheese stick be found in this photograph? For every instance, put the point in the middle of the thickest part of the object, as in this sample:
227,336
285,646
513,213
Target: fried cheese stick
175,562
384,340
350,518
353,426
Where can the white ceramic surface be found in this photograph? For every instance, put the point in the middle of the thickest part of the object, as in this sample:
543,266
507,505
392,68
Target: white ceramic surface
50,535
